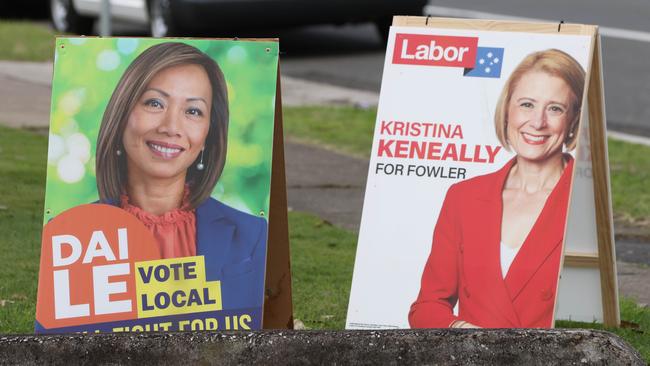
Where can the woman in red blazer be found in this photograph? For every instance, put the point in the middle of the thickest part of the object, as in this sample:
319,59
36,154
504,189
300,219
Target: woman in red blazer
498,240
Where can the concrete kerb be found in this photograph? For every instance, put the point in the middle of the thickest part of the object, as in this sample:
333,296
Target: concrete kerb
388,347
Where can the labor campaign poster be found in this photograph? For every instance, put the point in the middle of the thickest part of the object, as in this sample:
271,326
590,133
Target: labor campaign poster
469,179
158,185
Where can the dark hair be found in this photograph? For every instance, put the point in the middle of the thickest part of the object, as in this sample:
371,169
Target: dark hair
111,168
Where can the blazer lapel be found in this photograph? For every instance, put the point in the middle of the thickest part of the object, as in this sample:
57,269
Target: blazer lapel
492,199
214,236
544,237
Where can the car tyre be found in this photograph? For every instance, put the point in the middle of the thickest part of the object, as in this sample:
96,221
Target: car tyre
65,18
161,23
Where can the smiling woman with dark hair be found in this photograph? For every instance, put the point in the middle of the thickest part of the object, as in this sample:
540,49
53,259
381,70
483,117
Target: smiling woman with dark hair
135,82
160,152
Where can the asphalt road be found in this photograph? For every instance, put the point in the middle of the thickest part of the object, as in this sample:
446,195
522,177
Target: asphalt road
628,14
351,56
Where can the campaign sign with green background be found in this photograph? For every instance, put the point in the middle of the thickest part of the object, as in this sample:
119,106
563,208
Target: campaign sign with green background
86,71
102,269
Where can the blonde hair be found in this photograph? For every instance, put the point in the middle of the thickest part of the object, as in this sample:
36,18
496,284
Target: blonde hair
553,62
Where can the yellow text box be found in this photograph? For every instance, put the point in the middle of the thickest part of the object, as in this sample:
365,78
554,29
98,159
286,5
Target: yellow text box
175,286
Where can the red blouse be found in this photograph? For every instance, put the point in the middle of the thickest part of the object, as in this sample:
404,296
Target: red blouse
174,231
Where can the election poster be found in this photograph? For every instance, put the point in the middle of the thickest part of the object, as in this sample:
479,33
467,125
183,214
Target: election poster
470,177
158,187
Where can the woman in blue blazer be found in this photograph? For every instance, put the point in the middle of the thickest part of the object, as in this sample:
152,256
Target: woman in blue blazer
161,149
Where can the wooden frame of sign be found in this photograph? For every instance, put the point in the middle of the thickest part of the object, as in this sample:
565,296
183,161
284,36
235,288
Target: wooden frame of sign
278,309
603,258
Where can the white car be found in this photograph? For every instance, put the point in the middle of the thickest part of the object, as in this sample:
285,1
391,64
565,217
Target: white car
187,17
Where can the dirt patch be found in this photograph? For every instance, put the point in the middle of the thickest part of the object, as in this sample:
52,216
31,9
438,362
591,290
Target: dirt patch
633,230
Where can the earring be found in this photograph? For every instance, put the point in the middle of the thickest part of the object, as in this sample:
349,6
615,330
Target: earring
200,165
570,135
118,152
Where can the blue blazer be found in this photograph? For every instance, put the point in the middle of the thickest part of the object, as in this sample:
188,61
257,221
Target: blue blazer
233,244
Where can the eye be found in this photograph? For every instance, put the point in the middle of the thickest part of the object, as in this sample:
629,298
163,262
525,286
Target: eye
556,109
153,103
194,112
526,105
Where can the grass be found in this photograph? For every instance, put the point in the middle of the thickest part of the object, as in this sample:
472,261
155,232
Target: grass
22,184
637,333
322,259
350,130
340,128
630,172
25,41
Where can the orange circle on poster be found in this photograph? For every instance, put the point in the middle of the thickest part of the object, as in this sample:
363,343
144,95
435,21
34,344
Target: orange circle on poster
87,271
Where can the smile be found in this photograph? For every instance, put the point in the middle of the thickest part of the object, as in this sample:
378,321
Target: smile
534,139
165,150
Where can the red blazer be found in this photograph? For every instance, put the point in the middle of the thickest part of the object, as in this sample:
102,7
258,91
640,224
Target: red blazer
464,264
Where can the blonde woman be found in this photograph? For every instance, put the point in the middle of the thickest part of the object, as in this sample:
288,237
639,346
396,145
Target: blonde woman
497,243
